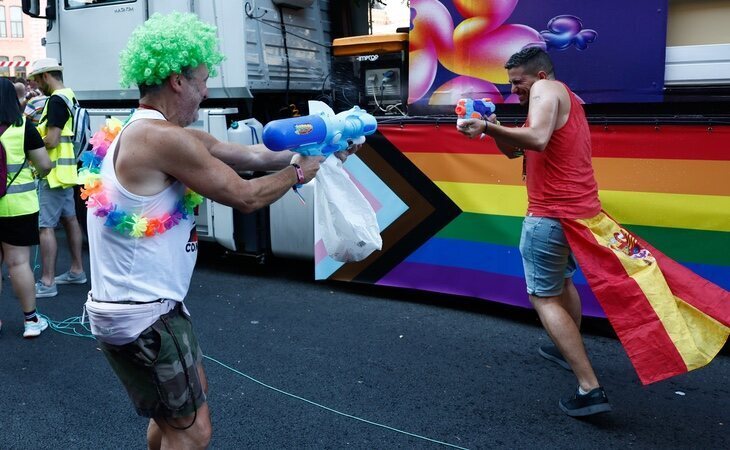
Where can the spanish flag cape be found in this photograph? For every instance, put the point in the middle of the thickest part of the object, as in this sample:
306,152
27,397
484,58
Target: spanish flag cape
669,319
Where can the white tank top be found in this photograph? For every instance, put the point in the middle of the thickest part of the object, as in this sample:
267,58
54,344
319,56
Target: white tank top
125,268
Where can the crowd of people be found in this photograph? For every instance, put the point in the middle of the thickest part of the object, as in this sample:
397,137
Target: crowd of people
40,166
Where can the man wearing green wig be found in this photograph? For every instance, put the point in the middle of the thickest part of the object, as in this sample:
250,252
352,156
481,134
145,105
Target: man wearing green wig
139,278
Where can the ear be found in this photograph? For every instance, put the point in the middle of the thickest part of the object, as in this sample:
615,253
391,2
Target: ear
542,75
175,82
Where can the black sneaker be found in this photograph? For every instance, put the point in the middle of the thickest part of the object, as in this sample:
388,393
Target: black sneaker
593,402
551,353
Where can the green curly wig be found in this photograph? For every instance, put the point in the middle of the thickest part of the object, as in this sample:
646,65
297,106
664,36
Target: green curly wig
165,45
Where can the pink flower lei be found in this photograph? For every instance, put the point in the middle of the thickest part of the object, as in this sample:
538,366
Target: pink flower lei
93,192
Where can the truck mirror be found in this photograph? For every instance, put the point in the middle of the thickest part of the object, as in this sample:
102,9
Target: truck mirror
33,9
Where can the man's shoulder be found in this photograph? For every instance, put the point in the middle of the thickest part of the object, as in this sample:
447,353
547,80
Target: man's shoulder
56,101
550,85
160,134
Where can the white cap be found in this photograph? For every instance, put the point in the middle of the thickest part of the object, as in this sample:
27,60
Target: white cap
44,65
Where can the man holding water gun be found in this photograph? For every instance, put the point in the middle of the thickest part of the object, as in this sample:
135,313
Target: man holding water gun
560,184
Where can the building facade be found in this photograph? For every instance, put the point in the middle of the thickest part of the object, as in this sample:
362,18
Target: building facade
20,39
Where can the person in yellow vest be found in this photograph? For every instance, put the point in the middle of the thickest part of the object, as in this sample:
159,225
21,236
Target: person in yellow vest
19,141
55,192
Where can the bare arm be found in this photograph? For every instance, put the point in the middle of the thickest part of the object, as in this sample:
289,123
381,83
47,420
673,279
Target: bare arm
243,157
191,163
52,138
41,161
510,151
543,115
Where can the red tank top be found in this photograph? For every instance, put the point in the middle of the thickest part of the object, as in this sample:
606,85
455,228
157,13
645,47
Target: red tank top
560,180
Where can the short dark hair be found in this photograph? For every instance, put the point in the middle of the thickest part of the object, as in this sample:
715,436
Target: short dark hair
57,74
10,113
532,60
145,89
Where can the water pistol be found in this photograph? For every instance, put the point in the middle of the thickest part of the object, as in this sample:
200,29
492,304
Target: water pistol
469,108
322,132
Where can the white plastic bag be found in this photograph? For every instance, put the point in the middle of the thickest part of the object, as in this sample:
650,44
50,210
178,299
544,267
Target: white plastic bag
345,220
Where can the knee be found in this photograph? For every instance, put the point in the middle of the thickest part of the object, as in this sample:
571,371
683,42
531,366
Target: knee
15,262
203,434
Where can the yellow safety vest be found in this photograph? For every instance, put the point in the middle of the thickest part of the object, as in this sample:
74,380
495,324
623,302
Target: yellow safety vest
63,160
21,198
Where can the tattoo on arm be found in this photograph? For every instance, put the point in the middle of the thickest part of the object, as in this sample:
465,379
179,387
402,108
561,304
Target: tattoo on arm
536,98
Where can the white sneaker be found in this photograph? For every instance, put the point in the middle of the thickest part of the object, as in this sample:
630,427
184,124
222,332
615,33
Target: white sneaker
33,329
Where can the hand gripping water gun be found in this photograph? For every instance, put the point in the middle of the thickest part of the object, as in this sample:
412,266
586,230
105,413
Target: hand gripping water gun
469,108
322,132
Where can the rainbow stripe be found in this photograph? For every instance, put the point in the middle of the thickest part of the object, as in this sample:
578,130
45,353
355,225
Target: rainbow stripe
668,185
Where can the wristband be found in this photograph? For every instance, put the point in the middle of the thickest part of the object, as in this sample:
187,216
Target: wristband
299,172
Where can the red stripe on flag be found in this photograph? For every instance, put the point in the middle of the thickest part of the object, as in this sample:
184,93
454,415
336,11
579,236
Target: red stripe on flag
692,142
436,139
697,142
646,341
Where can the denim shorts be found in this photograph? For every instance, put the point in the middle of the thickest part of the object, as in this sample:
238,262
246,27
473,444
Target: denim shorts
546,256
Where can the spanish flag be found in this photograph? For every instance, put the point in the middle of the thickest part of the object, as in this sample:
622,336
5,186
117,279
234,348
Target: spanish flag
669,319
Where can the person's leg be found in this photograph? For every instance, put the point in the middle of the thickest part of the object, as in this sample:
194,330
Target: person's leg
1,269
549,266
570,300
75,241
49,251
563,330
190,432
21,275
51,203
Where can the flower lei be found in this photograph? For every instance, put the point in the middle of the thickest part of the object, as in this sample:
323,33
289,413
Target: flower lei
134,225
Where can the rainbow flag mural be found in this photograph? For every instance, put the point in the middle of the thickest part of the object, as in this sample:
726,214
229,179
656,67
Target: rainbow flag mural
451,211
451,208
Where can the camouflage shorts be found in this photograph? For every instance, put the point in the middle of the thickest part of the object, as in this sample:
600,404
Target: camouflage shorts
159,369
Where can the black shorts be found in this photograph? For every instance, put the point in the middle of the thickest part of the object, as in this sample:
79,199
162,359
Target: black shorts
21,231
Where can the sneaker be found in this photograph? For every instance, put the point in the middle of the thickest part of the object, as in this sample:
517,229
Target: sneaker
71,278
43,291
33,329
551,353
593,402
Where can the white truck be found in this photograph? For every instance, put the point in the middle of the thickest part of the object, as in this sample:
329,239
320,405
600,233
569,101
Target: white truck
275,49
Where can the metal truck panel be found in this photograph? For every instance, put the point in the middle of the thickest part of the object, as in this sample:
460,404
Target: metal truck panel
88,39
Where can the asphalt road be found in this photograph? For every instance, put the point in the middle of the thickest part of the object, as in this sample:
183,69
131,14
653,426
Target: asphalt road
458,371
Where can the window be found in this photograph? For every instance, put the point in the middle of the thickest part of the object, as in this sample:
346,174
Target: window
75,4
4,66
20,68
3,28
16,22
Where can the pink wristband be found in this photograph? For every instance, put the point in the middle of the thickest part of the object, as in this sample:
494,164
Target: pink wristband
300,173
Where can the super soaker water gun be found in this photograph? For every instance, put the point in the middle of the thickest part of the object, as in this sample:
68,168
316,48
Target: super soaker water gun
322,132
469,108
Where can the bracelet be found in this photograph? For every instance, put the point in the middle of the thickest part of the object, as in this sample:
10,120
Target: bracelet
299,172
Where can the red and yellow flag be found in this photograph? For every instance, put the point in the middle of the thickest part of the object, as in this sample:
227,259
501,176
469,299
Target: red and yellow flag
669,319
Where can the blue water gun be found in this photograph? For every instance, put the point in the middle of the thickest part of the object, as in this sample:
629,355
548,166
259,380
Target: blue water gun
322,132
470,108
